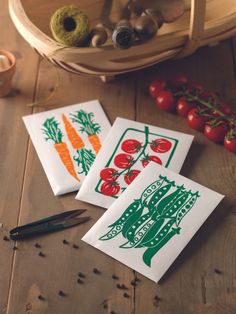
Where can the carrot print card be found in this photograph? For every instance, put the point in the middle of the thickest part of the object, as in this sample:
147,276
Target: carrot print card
129,147
67,141
153,220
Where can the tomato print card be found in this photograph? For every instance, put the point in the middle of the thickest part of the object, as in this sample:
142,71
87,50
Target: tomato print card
153,220
67,141
129,147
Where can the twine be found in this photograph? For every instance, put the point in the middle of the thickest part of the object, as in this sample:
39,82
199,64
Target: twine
52,93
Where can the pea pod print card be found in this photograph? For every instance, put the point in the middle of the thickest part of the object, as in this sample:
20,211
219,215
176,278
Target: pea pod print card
129,147
148,226
67,141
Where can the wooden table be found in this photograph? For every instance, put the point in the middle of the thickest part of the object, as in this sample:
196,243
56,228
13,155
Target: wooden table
202,279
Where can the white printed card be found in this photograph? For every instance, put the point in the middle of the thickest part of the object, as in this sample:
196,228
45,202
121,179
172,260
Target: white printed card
67,141
128,148
153,220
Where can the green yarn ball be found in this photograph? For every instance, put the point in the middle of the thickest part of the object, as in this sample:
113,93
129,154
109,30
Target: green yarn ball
69,26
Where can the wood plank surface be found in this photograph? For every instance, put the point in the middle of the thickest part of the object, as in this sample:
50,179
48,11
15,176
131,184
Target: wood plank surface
201,280
14,142
31,276
192,284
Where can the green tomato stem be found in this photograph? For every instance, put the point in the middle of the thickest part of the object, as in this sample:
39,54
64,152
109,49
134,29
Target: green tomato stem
206,104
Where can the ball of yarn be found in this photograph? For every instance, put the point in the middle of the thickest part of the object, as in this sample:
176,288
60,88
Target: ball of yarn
69,26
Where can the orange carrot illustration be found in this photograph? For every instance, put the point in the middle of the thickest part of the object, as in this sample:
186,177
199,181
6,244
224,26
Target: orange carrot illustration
75,139
87,125
53,132
84,157
95,142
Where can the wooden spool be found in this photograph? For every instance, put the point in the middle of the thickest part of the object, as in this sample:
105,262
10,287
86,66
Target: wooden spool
207,22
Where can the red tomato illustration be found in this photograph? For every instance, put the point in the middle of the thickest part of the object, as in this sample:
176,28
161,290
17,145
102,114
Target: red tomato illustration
123,161
110,188
147,159
131,146
161,145
109,174
131,175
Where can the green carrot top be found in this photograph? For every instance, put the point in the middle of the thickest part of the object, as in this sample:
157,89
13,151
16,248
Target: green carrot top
52,131
86,122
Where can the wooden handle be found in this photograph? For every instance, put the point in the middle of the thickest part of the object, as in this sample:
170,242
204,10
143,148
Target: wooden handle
196,28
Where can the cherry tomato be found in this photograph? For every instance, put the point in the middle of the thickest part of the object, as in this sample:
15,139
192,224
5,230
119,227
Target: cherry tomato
131,146
109,174
161,145
110,188
165,101
123,161
131,175
230,142
215,133
225,108
206,95
155,87
195,88
147,159
195,120
183,107
178,80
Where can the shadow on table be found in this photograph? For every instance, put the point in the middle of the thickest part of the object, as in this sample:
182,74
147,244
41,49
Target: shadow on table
194,154
199,239
209,227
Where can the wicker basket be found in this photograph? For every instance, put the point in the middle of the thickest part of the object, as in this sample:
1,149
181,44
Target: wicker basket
206,23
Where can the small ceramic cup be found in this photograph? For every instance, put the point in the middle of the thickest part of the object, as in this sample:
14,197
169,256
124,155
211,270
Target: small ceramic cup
6,75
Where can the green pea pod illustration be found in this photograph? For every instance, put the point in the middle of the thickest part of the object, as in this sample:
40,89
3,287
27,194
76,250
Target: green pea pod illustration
131,220
186,208
174,208
151,232
152,188
132,208
161,234
111,233
139,234
138,224
150,252
157,196
168,201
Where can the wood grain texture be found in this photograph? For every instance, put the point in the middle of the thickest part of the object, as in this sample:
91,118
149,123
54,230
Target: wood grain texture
203,278
34,275
14,142
193,284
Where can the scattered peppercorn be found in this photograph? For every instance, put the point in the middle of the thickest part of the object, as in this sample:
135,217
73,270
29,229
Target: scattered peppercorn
75,246
156,301
217,271
112,312
125,295
40,297
80,281
38,246
133,282
115,277
96,271
61,293
157,298
123,287
15,248
41,254
65,241
5,238
81,275
118,286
